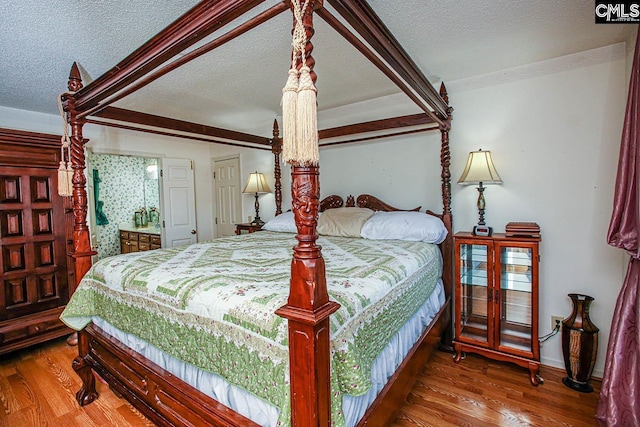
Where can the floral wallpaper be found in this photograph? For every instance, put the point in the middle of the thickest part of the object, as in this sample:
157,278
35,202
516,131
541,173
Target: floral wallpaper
125,187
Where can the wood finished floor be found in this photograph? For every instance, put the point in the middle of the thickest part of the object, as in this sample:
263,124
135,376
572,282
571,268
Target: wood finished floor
37,388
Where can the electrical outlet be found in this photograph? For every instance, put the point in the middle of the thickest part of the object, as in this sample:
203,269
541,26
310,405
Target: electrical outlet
555,319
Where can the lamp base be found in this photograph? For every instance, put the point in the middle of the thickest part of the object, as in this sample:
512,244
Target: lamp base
258,222
482,230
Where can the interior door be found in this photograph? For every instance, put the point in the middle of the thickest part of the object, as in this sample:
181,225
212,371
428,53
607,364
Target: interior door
227,195
179,202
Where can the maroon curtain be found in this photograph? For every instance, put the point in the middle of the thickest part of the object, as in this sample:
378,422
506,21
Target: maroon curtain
619,403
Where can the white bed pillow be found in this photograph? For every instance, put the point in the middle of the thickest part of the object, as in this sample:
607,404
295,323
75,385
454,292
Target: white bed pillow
284,223
345,222
400,225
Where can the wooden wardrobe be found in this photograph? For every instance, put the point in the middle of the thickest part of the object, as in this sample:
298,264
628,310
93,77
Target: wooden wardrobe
35,240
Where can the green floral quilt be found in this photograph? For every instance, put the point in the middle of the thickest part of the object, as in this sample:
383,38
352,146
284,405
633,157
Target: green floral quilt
212,305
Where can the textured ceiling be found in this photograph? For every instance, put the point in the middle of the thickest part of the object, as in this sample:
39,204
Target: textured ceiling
238,86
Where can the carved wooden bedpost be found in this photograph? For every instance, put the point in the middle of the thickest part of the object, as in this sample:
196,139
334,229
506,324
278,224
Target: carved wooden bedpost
276,149
82,251
308,307
447,245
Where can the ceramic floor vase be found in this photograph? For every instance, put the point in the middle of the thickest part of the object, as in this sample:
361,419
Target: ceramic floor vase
579,344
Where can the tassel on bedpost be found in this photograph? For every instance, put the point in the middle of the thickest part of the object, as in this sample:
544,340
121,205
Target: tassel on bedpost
289,101
63,182
307,119
65,172
299,115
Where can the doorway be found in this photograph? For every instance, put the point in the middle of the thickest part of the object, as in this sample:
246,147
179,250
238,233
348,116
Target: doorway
178,190
226,174
118,185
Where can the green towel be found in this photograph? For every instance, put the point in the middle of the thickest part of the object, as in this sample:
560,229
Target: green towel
101,218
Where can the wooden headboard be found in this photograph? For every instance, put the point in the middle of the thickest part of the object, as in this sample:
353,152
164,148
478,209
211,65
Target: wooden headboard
363,201
331,202
373,203
366,201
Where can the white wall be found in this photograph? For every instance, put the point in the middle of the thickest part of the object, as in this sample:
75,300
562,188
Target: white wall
554,131
394,170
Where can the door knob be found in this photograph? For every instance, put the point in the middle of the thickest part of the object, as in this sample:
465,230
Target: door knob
193,231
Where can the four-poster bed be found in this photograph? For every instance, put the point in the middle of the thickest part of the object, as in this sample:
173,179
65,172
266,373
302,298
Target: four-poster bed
156,393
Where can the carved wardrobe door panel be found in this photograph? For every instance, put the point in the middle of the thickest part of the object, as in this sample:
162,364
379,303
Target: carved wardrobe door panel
35,235
33,262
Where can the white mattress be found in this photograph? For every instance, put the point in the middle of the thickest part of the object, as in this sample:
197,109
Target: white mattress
266,414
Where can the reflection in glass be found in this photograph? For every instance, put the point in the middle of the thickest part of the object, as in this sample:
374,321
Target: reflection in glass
516,290
473,280
151,188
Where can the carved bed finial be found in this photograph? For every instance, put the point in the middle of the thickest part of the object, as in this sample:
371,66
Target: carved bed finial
443,93
351,202
75,79
445,97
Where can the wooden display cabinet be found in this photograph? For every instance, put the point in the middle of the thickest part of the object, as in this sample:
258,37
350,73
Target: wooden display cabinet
497,299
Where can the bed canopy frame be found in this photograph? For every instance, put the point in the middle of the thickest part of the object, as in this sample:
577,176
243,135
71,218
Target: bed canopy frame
308,307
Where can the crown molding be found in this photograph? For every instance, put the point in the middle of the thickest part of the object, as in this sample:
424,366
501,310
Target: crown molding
537,69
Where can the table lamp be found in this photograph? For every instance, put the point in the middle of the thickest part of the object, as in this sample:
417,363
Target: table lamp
257,184
480,170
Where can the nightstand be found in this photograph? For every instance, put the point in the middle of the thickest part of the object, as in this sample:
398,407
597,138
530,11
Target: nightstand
496,288
247,227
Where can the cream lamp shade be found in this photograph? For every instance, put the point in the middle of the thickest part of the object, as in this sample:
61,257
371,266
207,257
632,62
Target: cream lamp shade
257,184
480,170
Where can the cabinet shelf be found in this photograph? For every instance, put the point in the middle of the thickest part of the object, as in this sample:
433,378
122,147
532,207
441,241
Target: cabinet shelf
516,281
497,299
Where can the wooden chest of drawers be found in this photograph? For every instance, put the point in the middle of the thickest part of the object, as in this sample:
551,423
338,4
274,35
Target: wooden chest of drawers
133,241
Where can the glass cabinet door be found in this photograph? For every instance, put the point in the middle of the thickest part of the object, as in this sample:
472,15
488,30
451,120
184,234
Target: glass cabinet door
475,279
516,288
